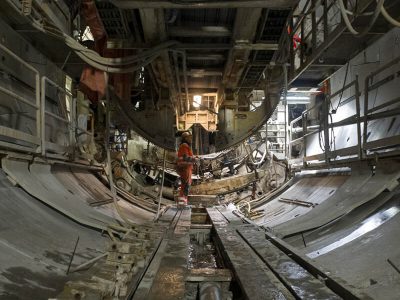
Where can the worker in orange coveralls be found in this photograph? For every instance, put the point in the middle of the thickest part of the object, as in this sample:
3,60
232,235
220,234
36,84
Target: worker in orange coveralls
185,165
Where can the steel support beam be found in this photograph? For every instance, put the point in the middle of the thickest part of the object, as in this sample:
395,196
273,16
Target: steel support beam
203,72
245,30
201,57
134,4
256,46
154,31
128,44
317,52
202,31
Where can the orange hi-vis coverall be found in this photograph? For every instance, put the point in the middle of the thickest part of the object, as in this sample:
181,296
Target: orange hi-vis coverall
185,168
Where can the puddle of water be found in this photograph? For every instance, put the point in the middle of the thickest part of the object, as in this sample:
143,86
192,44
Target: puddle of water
202,256
367,225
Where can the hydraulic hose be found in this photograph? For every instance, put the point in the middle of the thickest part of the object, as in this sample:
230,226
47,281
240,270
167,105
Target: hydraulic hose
389,18
371,23
115,69
112,65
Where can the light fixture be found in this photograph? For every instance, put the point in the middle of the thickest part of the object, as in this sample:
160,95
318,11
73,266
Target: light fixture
87,35
297,98
313,90
196,101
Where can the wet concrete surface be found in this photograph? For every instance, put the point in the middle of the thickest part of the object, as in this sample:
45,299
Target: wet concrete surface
23,283
201,256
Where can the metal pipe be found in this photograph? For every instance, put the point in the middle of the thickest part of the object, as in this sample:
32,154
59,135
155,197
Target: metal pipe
371,23
384,67
178,81
61,89
106,144
358,113
386,104
365,129
162,186
16,57
39,114
305,132
18,97
183,53
296,141
210,291
42,115
88,263
133,4
342,89
64,120
285,75
37,86
73,254
326,129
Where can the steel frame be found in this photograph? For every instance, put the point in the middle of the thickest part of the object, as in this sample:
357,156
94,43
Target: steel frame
319,27
373,114
326,126
37,143
361,150
47,145
18,134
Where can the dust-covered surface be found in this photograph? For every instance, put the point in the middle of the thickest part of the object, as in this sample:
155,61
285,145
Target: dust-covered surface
201,256
36,244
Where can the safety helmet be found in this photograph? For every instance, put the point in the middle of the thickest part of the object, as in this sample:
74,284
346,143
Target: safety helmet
186,134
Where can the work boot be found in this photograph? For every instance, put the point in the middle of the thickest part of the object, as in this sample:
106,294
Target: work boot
181,202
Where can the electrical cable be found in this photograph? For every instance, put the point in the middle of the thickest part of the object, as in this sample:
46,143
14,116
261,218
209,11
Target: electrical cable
126,60
369,13
383,12
371,23
113,69
107,64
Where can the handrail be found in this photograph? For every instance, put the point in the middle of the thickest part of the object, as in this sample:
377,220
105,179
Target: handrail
36,105
18,97
16,57
45,113
354,119
368,113
37,141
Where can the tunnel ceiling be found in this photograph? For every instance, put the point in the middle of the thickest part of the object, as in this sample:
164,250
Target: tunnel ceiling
223,48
